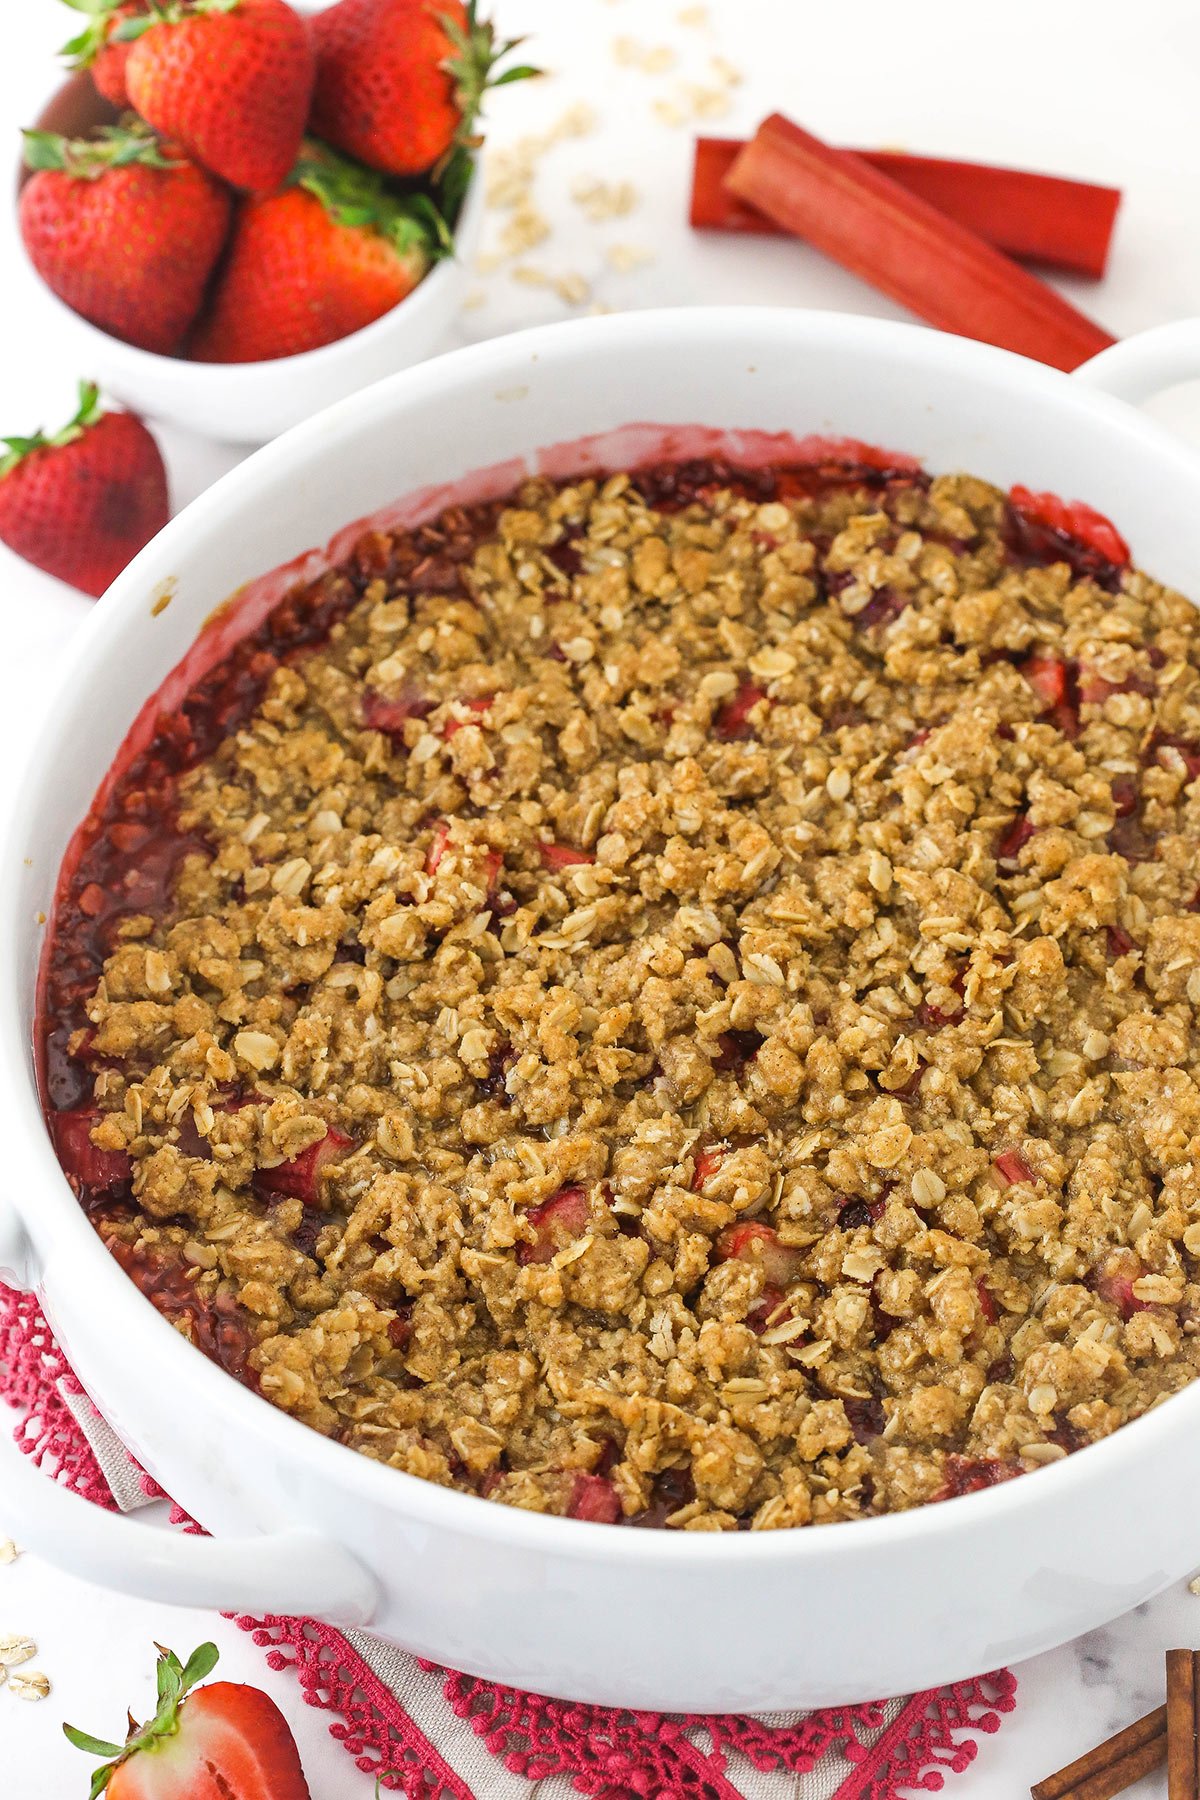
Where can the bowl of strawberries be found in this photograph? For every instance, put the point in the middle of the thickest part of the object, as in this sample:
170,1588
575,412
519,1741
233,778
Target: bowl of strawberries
244,210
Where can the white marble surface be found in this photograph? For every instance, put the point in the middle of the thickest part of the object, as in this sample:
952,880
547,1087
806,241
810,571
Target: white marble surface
1085,87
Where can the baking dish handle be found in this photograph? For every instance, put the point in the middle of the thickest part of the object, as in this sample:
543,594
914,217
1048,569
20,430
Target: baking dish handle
292,1571
1141,366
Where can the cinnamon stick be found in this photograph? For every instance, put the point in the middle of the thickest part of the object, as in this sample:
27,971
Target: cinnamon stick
1048,219
1113,1765
1183,1725
906,248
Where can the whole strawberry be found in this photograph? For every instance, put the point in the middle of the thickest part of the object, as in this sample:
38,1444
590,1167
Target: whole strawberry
230,80
328,255
82,504
95,49
124,229
224,1742
401,82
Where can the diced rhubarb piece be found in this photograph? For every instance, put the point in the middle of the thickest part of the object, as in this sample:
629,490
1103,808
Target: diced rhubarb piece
594,1497
1095,689
563,856
556,1221
1042,528
867,1418
1011,1167
1047,676
1118,942
971,1474
987,1301
379,713
96,1170
437,846
707,1162
400,1329
750,1241
1113,1281
480,705
732,722
300,1177
1018,834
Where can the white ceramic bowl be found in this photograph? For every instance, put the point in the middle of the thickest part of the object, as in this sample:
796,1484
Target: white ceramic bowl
246,403
301,1524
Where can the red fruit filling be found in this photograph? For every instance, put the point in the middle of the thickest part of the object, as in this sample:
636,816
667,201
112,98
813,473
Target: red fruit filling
556,1221
594,1497
1185,747
216,1324
96,1170
855,1213
563,856
706,1164
1011,1166
987,1302
732,721
736,1050
400,1329
882,608
762,1314
300,1177
1118,942
1113,1280
479,706
970,1474
1125,796
749,1241
867,1418
1042,528
391,715
1018,834
1047,676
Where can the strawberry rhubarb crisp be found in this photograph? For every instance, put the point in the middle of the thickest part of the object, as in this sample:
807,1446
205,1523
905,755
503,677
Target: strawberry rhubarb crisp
670,999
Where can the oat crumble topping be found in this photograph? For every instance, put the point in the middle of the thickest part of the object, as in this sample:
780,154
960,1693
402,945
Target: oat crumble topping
679,1008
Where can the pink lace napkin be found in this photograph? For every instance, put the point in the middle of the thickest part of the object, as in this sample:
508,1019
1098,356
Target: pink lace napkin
435,1735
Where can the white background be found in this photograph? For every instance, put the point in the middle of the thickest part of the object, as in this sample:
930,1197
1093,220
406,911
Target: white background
1089,87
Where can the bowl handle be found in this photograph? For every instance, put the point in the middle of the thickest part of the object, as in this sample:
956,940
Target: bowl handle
1143,365
291,1571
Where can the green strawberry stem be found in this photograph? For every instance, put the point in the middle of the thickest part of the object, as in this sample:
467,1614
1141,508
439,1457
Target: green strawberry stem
113,147
83,50
169,12
476,52
89,412
174,1680
357,196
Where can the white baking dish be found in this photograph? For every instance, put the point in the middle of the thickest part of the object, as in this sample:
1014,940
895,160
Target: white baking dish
300,1524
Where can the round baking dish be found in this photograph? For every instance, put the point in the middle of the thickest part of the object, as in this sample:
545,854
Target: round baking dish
300,1524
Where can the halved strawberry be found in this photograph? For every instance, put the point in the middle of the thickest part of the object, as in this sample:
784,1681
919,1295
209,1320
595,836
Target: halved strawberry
732,723
563,856
556,1221
594,1497
225,1742
95,1169
752,1242
1011,1166
300,1177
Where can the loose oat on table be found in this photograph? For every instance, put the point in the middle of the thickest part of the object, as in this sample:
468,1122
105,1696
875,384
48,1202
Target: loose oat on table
670,999
29,1684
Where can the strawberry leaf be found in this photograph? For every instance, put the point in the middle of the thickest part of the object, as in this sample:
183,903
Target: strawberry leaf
475,52
87,159
92,1746
173,1679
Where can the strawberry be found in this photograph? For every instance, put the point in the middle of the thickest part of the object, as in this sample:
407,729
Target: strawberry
124,229
300,1177
400,82
225,1742
556,1221
96,50
563,856
82,504
230,79
753,1242
331,253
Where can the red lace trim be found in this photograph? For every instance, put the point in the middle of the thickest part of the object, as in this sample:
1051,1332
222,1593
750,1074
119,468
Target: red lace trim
609,1755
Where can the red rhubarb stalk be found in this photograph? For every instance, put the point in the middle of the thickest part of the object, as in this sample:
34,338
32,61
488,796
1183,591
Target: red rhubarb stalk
1047,219
906,248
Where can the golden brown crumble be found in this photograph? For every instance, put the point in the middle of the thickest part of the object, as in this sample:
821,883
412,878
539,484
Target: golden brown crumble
705,1003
